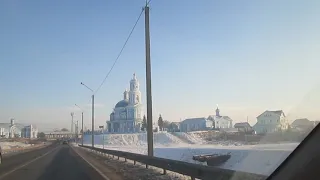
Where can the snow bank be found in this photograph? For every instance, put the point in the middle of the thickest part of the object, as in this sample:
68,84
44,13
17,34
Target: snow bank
189,137
160,139
138,139
10,145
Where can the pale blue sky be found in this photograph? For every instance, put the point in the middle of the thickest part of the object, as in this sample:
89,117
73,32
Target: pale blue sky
246,56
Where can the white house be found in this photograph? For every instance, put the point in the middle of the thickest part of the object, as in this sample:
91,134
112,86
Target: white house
271,121
303,124
221,122
243,127
195,124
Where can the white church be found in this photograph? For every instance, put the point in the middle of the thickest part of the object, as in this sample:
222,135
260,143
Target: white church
127,114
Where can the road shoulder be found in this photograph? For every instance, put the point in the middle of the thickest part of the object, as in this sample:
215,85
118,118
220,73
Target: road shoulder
126,169
98,164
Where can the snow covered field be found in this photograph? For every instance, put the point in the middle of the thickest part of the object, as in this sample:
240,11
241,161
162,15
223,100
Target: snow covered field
260,159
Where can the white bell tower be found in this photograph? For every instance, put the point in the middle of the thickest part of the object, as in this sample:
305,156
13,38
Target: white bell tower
134,93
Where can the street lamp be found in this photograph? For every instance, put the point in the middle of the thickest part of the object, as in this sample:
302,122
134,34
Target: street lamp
77,130
81,124
92,135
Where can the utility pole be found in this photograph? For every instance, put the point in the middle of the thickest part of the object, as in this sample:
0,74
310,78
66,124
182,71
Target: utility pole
72,123
81,123
92,135
148,83
77,131
82,128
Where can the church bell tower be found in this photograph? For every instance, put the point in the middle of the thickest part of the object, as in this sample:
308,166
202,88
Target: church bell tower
134,94
217,112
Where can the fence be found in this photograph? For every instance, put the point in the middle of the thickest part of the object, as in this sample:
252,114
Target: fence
189,169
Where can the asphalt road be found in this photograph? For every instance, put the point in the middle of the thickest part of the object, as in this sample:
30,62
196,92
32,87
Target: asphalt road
56,162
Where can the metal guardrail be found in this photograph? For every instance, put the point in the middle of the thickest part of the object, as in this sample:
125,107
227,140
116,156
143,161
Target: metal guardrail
189,169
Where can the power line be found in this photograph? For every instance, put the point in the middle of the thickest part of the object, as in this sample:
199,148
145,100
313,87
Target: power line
124,45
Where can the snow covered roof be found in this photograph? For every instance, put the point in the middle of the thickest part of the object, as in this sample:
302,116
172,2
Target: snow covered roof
303,122
214,117
278,112
194,120
242,124
122,103
227,118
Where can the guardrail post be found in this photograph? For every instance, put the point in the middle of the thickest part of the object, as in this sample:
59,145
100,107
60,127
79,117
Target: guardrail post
125,159
164,171
134,162
118,157
146,166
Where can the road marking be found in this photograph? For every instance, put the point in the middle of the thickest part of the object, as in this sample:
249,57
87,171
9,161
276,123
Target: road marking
95,168
23,165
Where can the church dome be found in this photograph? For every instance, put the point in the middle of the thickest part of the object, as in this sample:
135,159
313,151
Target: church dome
122,103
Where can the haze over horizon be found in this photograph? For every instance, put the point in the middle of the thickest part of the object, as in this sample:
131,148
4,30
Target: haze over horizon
247,57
